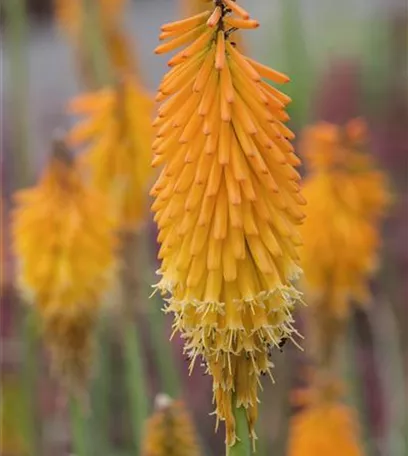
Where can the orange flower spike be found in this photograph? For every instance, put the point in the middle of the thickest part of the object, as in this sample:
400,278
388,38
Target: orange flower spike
324,425
354,200
227,206
65,244
117,129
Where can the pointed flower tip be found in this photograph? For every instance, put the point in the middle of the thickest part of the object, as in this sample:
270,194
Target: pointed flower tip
170,430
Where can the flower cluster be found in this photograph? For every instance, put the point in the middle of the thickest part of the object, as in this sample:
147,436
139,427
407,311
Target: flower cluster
119,131
65,244
324,426
347,197
227,204
170,431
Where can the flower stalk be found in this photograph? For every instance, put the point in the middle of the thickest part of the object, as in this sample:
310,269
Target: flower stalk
16,38
242,445
79,428
135,372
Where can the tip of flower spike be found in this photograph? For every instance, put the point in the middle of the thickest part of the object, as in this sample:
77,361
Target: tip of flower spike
60,150
162,401
215,17
59,134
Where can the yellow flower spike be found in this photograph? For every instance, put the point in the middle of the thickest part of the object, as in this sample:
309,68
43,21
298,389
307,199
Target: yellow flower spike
347,196
70,15
324,426
170,431
227,205
118,131
65,246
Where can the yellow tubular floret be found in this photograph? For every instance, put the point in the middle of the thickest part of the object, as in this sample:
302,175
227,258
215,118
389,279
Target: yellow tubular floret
227,204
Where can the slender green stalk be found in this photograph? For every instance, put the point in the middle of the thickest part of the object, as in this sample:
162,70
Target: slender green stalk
100,422
16,40
16,44
166,363
95,44
79,431
170,382
296,60
135,372
389,362
355,380
242,446
100,393
29,375
136,384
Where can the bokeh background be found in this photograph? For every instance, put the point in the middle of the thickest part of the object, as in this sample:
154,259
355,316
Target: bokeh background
346,59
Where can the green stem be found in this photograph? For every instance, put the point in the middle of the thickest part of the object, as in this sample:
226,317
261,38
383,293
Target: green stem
135,372
165,360
242,446
96,46
29,384
387,352
356,387
139,403
16,40
79,428
100,393
170,382
297,60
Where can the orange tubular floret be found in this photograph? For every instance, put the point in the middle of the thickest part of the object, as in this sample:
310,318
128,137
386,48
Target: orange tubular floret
215,17
269,73
233,6
241,23
186,24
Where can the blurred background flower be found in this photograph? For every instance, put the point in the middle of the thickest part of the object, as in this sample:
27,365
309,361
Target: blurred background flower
170,430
